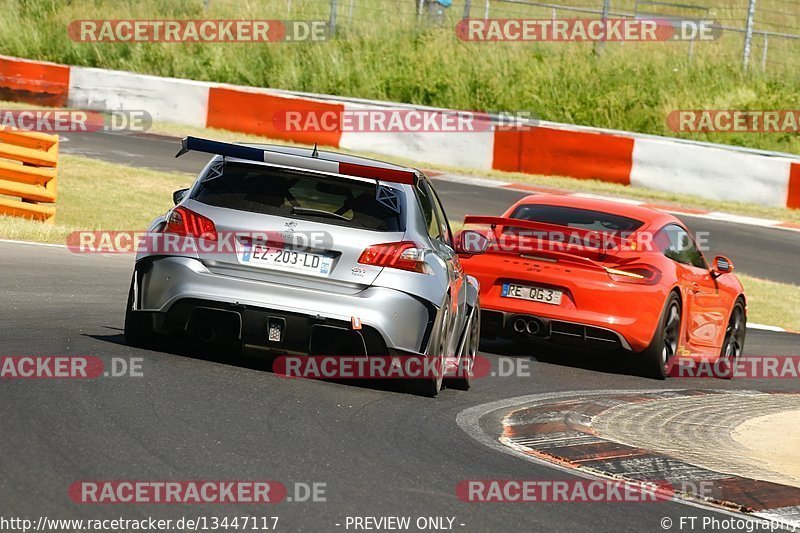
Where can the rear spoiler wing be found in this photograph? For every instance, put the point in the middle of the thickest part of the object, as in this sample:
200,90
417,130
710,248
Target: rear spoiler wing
573,255
542,227
196,144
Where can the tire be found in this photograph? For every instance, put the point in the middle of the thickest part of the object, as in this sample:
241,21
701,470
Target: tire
430,386
138,326
466,363
735,333
657,360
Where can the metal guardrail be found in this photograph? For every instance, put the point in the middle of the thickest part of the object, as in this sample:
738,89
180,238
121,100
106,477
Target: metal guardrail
28,171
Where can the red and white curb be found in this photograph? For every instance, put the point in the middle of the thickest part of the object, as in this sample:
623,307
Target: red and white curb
555,430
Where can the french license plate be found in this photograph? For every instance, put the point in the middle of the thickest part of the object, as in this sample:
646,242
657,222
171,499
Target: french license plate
534,294
278,258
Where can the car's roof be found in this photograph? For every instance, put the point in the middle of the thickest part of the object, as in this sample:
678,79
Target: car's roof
330,156
649,217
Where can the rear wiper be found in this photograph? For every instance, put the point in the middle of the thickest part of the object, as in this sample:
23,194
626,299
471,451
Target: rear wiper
318,213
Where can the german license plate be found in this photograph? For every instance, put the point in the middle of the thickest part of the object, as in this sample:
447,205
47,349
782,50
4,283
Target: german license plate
278,258
534,294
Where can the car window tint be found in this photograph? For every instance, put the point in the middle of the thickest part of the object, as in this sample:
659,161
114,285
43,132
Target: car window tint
438,211
674,242
426,204
276,192
573,217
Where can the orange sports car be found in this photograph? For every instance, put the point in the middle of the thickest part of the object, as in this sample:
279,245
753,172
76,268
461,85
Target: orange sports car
604,275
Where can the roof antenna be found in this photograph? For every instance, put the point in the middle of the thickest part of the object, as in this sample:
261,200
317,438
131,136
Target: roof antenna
315,152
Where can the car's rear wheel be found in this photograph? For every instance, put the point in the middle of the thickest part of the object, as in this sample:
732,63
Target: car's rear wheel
138,326
466,362
657,360
733,345
430,385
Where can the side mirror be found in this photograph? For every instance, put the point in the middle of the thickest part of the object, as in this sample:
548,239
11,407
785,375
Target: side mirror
721,265
470,242
179,195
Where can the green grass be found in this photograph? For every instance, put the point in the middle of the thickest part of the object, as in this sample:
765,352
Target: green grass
386,53
769,302
94,195
97,195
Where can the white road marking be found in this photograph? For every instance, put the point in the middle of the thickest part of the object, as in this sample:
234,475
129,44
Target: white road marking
764,327
34,243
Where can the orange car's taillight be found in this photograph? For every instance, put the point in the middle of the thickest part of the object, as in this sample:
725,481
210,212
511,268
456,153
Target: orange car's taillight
404,255
183,221
640,274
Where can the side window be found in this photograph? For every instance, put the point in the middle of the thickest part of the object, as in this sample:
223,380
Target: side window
426,203
674,242
444,226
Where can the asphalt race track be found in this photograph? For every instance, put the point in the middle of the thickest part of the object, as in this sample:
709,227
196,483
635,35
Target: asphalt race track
193,416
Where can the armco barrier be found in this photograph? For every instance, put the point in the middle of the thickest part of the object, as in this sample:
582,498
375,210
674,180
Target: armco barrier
794,187
559,152
35,82
464,149
28,169
711,172
165,99
225,106
718,172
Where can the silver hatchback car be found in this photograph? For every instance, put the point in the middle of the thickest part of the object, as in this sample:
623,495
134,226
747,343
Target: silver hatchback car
306,252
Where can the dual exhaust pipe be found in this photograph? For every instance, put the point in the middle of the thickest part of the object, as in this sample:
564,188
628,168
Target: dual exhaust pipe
529,326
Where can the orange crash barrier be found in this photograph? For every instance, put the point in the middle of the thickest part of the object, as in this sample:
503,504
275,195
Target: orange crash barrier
28,169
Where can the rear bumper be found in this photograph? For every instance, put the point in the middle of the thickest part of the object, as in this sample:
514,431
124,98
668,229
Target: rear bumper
592,304
173,289
527,326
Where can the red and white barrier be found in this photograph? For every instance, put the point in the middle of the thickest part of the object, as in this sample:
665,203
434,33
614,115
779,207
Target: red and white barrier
710,172
717,172
36,82
463,149
166,99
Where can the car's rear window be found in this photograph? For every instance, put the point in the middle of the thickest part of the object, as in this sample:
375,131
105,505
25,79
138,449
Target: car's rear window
342,202
576,218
